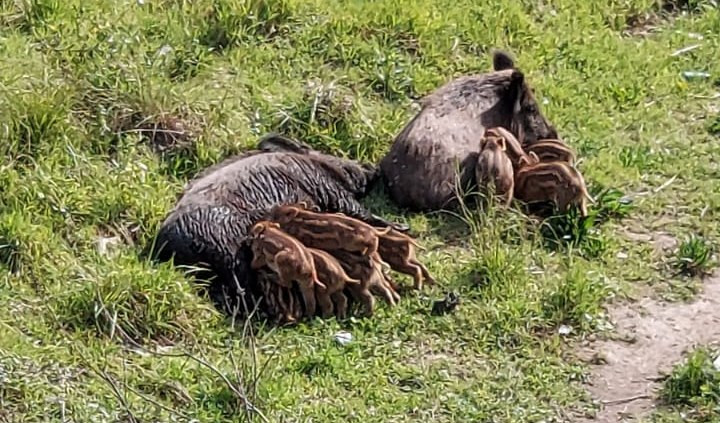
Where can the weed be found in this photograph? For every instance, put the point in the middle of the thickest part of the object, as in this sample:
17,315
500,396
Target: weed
322,117
577,232
575,300
714,126
694,382
694,256
230,22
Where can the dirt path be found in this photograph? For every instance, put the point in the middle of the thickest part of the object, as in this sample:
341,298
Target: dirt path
651,337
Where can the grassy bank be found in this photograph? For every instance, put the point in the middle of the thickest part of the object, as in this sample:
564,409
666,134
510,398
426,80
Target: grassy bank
93,95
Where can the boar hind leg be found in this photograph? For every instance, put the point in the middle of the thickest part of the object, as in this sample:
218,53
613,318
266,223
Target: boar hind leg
341,304
365,297
308,294
326,305
409,267
426,275
385,290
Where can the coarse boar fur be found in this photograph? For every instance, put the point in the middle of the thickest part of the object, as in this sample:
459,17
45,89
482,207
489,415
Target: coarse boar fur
556,182
553,151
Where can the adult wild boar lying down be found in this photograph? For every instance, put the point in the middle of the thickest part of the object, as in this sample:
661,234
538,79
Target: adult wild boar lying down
209,226
421,168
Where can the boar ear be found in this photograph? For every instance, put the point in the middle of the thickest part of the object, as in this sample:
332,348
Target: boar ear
502,60
256,229
275,142
292,213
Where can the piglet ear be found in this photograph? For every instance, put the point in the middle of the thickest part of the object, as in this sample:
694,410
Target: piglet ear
256,229
502,60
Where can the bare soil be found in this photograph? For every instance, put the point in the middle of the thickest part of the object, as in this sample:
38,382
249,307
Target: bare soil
650,337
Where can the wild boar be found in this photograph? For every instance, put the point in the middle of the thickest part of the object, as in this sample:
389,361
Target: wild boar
398,250
327,231
494,170
287,257
513,149
209,225
433,157
332,274
557,182
370,274
552,151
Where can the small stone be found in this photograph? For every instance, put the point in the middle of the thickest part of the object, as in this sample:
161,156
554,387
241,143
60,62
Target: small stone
622,256
105,245
564,330
599,358
164,50
716,363
343,337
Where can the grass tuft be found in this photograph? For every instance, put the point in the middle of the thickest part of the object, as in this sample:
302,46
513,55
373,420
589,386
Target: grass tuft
694,382
571,230
714,126
322,117
230,22
694,256
132,301
576,300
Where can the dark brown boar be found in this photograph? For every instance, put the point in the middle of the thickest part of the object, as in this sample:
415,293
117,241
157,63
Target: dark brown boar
209,226
433,157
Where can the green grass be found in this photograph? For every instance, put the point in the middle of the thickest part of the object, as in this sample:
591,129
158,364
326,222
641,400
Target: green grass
692,390
694,256
89,337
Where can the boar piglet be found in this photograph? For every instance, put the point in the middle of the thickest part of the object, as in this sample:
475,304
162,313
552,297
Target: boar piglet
370,274
513,148
398,251
327,231
558,182
495,169
331,273
553,151
287,257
